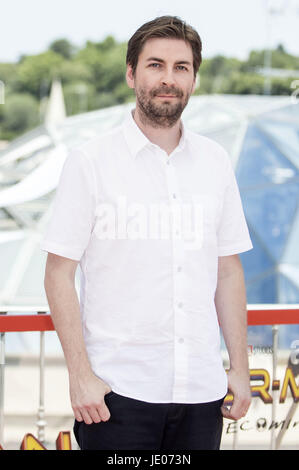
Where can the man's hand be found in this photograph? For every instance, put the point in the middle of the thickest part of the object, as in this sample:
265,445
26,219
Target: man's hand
239,386
87,399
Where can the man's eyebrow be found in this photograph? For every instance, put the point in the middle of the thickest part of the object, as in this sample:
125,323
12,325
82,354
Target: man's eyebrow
156,59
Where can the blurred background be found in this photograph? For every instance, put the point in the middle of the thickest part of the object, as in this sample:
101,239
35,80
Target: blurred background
62,81
248,48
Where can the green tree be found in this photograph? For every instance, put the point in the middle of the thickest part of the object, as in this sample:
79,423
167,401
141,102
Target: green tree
72,71
107,44
19,114
279,59
8,74
245,84
107,66
34,69
216,73
91,57
63,47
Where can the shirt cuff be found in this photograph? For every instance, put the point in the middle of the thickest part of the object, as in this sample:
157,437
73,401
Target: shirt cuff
235,248
61,250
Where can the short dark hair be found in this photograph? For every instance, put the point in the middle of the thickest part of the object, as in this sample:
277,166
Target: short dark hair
164,27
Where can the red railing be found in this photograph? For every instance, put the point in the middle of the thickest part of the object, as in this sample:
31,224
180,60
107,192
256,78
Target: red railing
36,322
265,314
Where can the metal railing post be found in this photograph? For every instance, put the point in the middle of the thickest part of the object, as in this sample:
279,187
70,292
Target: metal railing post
274,377
2,371
41,422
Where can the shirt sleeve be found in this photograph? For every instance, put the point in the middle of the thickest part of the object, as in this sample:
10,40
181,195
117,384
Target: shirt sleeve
72,213
233,235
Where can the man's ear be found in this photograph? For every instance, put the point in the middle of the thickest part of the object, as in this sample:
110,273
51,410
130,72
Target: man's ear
130,77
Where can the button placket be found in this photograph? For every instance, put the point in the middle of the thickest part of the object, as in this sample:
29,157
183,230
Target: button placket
180,345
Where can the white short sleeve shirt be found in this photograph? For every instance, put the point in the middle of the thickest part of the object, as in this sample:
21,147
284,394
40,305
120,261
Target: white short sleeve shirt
147,229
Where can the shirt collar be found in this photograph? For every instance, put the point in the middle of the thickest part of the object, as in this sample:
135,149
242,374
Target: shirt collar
136,139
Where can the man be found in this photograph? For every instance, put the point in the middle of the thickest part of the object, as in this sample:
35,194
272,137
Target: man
152,213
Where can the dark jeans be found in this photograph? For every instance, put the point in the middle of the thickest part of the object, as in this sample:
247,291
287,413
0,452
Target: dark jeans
139,425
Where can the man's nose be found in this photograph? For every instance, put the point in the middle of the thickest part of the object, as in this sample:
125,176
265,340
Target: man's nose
168,78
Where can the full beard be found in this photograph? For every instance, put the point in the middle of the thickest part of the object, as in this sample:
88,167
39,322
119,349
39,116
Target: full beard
165,114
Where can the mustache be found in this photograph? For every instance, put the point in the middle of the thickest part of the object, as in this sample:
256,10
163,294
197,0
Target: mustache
167,91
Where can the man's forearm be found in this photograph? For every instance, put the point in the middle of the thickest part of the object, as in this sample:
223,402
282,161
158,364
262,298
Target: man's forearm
65,312
230,302
86,390
231,307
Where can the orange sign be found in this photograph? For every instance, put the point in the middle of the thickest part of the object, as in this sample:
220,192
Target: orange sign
263,390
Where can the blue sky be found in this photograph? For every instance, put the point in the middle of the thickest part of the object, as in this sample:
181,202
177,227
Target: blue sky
228,27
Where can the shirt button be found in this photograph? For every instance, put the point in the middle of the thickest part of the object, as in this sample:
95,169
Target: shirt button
167,162
180,304
181,340
179,268
174,196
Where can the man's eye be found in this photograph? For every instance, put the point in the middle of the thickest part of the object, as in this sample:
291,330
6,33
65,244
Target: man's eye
155,65
182,67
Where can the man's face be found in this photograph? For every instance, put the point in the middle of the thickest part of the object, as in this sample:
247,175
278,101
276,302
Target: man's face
163,80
